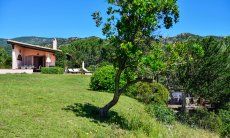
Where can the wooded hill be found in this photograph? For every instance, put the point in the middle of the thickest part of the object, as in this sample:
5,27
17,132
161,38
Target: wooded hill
44,41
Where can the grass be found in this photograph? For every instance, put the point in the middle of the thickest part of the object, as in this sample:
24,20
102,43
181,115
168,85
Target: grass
63,106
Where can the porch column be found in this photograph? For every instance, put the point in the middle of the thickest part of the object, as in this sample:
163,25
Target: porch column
32,60
14,59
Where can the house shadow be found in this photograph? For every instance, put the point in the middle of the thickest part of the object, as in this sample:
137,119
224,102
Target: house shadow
92,112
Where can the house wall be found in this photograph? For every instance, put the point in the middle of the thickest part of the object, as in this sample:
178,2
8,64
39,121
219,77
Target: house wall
27,55
16,71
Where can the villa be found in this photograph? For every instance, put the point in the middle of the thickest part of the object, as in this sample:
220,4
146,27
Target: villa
28,56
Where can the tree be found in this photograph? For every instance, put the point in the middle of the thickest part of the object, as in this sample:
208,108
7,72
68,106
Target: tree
210,75
85,49
130,27
179,59
5,59
61,59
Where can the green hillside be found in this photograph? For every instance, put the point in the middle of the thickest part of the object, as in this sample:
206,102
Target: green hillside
63,106
43,41
3,42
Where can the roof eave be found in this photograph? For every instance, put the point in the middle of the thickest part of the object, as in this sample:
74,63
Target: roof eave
37,47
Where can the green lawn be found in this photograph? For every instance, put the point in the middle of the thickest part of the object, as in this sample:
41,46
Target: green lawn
63,106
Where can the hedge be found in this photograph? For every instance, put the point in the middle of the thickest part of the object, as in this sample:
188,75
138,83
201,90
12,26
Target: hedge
52,70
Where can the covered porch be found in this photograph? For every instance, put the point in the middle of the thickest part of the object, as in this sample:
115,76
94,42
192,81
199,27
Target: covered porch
32,62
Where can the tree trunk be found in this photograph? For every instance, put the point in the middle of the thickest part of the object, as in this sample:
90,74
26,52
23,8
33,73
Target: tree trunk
103,112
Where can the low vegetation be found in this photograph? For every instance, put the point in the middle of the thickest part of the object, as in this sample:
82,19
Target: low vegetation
151,93
156,96
201,118
224,116
52,70
162,113
103,79
63,106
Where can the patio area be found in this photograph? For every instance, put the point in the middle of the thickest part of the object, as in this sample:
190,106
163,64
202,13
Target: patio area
16,71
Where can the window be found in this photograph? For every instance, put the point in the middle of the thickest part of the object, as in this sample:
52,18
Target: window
19,57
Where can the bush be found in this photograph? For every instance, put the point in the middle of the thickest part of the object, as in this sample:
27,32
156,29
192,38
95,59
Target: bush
131,91
52,70
92,68
201,118
225,118
95,67
103,79
161,112
152,92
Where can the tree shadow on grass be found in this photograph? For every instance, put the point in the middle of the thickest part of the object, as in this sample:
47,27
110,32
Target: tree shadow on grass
92,112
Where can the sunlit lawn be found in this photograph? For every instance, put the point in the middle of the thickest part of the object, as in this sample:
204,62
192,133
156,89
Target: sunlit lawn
63,106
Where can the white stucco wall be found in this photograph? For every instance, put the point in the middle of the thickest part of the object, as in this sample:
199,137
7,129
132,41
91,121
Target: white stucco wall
16,71
15,53
29,52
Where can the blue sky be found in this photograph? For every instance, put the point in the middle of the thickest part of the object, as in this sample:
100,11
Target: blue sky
72,18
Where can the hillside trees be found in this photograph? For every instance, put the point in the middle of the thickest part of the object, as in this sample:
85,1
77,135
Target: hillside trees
89,50
179,59
5,59
129,27
210,78
61,59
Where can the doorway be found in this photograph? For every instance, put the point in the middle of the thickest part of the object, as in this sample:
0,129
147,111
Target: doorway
39,61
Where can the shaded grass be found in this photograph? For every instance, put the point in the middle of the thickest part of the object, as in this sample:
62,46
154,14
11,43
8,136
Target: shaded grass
62,106
92,112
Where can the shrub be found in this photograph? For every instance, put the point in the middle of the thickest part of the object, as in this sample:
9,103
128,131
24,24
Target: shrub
52,70
95,67
225,118
161,112
131,91
103,79
105,63
201,118
152,92
92,68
